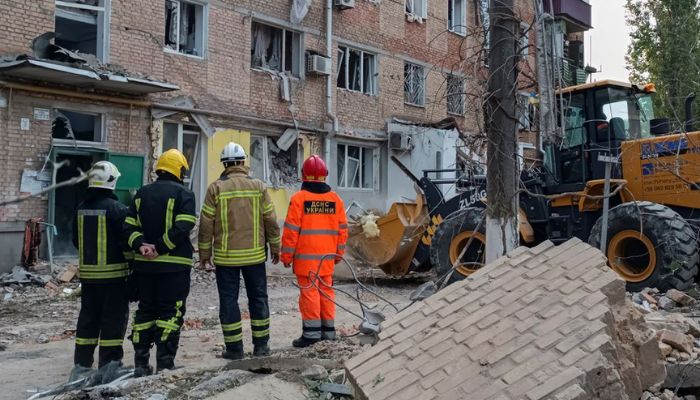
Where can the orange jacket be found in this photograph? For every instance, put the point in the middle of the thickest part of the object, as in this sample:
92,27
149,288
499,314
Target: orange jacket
316,226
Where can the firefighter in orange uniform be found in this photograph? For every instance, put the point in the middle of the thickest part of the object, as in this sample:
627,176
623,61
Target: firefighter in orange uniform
313,241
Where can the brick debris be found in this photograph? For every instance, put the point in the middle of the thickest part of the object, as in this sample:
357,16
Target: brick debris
551,322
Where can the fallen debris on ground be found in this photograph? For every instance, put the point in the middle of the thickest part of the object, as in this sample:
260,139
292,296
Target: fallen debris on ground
542,323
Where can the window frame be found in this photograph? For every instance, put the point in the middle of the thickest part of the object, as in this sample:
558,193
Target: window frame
204,29
182,130
424,8
462,31
423,78
265,158
103,23
524,41
375,167
101,122
301,56
345,60
461,94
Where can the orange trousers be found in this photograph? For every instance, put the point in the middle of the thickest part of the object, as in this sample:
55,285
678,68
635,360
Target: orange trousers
317,307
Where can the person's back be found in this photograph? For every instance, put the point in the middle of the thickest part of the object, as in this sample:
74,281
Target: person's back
158,225
160,206
103,268
244,216
237,224
315,233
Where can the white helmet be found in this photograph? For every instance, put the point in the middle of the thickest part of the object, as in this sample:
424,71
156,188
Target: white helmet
233,152
103,175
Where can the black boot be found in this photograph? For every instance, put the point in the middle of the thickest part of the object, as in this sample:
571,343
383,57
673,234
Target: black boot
233,352
165,355
261,350
142,357
304,342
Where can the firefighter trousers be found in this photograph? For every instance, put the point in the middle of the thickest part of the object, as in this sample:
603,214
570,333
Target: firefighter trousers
104,311
228,281
159,317
317,307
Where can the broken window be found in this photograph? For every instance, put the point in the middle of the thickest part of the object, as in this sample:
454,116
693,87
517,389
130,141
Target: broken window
186,139
525,112
457,16
356,167
184,27
81,25
455,94
271,164
276,49
414,84
418,8
356,70
76,126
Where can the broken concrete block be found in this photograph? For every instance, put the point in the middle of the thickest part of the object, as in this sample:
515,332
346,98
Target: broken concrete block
685,375
68,274
678,341
680,297
646,296
666,304
223,381
315,373
665,349
563,329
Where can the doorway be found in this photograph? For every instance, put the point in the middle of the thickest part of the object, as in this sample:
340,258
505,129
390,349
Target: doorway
65,200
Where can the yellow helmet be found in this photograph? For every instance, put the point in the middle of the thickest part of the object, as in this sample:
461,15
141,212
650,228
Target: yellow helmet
173,161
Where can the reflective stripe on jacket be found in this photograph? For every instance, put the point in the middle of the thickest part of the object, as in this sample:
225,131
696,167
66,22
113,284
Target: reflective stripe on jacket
237,220
315,232
97,234
162,214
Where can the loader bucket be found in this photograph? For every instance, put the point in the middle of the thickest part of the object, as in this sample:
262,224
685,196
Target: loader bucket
399,233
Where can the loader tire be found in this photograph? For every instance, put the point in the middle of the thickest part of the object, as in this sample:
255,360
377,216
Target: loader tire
663,255
450,238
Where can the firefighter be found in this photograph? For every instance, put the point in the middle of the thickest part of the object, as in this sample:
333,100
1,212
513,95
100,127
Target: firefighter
104,304
237,222
158,226
313,241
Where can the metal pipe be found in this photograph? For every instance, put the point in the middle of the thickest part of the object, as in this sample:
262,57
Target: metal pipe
329,83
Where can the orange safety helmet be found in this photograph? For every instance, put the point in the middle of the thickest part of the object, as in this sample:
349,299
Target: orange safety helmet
314,169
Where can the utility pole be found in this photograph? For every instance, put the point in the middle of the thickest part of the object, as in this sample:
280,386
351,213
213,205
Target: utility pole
502,172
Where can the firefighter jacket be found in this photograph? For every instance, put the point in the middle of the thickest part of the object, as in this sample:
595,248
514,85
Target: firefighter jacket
97,234
316,228
162,214
237,221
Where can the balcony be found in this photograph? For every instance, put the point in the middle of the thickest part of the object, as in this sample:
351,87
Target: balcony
576,13
571,73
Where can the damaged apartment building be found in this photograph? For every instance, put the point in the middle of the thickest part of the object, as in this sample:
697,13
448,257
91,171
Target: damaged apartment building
356,81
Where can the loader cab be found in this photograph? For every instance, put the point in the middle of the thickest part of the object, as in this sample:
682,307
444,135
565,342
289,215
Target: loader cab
596,119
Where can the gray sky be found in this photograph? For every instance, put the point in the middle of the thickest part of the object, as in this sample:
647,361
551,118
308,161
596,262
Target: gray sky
606,44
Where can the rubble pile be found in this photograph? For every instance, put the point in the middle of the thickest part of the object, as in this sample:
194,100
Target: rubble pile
542,323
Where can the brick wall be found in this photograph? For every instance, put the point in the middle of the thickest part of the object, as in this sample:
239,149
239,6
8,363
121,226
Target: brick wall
126,132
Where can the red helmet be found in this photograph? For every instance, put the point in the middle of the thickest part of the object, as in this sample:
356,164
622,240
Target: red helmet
314,170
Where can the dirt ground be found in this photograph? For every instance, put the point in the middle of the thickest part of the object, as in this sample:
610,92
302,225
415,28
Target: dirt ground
37,330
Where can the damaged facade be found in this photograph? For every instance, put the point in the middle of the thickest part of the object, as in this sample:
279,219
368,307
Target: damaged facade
124,80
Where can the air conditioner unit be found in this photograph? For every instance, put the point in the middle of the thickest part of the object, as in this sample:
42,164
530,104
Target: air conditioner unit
318,65
344,4
400,141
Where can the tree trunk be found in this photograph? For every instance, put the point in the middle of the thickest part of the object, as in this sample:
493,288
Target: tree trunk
502,171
